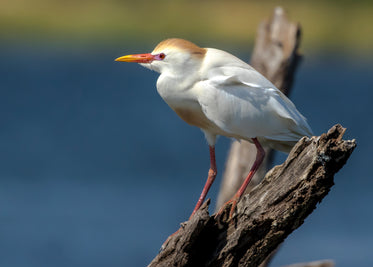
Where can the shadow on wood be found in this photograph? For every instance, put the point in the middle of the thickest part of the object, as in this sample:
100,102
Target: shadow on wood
267,215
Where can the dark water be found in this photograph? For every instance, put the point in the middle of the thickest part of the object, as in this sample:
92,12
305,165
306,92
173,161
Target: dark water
95,170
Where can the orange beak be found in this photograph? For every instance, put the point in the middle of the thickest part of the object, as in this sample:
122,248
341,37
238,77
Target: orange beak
139,58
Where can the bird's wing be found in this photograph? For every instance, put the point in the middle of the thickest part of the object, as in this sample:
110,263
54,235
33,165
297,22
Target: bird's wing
242,102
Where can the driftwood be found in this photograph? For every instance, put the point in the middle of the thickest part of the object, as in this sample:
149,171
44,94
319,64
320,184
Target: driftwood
265,216
276,56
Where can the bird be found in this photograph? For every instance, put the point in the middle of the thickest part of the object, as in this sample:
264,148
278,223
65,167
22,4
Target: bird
223,96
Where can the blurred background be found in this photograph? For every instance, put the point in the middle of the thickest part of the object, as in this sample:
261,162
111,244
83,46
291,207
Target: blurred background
96,170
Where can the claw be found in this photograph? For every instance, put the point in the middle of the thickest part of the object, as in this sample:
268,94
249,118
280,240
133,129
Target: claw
233,208
232,203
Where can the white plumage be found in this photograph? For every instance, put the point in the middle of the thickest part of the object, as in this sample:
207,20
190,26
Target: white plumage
223,95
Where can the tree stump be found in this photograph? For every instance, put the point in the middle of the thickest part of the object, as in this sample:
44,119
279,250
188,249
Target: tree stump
267,215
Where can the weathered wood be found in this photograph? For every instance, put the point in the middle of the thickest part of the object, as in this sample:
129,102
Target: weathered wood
265,216
275,56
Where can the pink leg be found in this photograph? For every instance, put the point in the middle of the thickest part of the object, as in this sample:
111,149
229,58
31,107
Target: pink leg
260,153
210,180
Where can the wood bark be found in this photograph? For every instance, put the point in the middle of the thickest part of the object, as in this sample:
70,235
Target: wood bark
275,56
267,215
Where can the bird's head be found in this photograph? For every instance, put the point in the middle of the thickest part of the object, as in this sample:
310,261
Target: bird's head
171,55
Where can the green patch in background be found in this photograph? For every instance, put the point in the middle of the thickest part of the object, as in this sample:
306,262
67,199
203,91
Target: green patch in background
343,26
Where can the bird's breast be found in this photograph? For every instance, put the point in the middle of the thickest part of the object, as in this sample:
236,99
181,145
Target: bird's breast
182,97
194,116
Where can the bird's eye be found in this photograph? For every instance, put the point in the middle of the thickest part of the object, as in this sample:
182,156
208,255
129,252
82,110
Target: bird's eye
161,56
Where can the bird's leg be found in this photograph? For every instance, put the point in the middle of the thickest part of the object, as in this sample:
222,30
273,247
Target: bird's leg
260,153
210,179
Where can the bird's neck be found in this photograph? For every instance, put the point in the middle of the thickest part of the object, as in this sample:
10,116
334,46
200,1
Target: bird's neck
179,81
175,88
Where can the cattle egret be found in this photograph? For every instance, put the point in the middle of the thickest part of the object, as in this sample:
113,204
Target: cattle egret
222,95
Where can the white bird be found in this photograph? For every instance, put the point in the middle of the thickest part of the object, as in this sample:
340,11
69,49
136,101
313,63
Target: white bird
222,95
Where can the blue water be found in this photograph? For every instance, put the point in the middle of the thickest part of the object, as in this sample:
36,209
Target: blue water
95,170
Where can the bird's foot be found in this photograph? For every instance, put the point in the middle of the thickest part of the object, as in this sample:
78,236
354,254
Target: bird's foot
232,203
